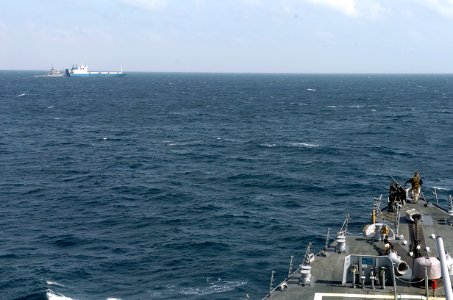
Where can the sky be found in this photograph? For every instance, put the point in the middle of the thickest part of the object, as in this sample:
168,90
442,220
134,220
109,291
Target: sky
251,36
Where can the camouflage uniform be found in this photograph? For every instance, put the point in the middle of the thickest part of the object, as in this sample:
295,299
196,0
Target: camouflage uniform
416,184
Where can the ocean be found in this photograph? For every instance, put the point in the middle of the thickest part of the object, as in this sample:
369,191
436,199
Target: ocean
197,186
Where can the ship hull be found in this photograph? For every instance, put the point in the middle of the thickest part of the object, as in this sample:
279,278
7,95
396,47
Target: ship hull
41,76
95,74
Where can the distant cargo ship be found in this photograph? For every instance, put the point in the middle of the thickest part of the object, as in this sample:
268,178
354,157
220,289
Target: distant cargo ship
82,71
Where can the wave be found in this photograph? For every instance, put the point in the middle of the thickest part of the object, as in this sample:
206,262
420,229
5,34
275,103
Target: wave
209,246
440,188
303,145
55,296
268,145
51,295
189,143
68,240
290,145
35,296
230,140
213,287
54,283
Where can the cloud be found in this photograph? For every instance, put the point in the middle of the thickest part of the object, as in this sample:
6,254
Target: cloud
146,4
374,10
352,8
347,7
443,7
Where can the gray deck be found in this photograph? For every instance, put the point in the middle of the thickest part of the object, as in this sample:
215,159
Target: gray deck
327,268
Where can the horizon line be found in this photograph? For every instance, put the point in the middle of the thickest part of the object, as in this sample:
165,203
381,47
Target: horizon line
256,72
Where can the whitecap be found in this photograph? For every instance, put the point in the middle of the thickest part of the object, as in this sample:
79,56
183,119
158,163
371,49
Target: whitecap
440,188
54,283
268,145
54,296
303,145
232,140
228,140
215,287
110,298
311,90
21,95
188,143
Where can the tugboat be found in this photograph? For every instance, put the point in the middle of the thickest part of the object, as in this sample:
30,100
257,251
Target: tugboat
52,73
403,253
82,71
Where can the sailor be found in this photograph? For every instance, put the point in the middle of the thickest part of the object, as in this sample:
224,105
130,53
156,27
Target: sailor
397,196
384,232
387,246
416,184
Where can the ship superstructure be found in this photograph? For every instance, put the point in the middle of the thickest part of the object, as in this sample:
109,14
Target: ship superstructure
82,71
52,73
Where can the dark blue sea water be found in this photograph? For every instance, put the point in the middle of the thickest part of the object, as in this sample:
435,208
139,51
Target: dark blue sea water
196,186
